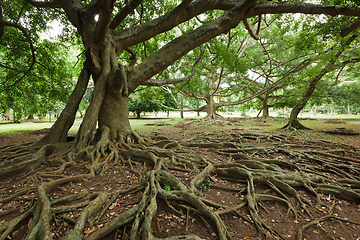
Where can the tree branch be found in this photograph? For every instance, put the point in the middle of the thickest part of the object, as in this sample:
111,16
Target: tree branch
187,94
275,7
162,82
124,12
128,37
297,69
41,4
102,26
1,23
183,44
250,30
354,60
351,29
177,102
232,93
134,56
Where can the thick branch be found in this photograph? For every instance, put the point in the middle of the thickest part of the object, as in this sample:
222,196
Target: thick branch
102,26
141,33
162,82
183,44
1,23
273,7
134,56
40,4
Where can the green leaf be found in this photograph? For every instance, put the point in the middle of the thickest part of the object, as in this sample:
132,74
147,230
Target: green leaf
167,187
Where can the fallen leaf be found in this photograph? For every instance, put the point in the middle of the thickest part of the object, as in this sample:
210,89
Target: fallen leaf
316,232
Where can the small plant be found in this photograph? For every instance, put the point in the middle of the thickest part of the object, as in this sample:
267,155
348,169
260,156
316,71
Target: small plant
204,184
167,187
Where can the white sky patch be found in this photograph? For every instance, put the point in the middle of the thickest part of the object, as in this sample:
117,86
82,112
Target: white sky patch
54,30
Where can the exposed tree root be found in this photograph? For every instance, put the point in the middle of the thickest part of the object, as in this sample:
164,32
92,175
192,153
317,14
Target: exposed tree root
295,124
162,173
215,119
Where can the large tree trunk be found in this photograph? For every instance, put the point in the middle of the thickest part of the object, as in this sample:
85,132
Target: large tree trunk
114,115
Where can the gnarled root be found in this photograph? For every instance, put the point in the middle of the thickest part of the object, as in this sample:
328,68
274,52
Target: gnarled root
180,177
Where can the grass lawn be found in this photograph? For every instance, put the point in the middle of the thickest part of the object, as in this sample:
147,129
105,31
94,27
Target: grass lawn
174,118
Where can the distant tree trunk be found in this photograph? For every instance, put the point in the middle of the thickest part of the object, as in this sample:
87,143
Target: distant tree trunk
285,111
181,111
349,109
138,113
315,110
265,106
7,115
168,114
293,120
331,109
30,117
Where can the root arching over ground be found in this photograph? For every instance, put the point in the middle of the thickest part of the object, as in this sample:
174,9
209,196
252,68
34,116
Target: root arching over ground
218,185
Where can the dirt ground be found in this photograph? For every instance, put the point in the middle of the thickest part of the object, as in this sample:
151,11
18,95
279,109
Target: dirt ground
170,222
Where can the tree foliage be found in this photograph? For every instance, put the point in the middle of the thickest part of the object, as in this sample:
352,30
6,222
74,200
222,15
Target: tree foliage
36,73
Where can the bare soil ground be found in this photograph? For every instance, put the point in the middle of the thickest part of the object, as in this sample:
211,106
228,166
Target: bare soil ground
334,219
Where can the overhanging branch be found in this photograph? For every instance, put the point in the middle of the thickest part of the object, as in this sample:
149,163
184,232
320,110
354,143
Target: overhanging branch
250,30
124,12
277,7
351,29
43,4
162,82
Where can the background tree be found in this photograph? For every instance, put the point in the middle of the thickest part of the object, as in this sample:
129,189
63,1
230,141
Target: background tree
150,100
27,84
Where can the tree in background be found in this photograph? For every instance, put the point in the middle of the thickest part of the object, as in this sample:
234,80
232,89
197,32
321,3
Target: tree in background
150,100
333,63
345,95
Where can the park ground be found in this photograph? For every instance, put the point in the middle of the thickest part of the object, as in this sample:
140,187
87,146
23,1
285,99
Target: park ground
255,133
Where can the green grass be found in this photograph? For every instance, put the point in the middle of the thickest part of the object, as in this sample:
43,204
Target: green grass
13,128
141,124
